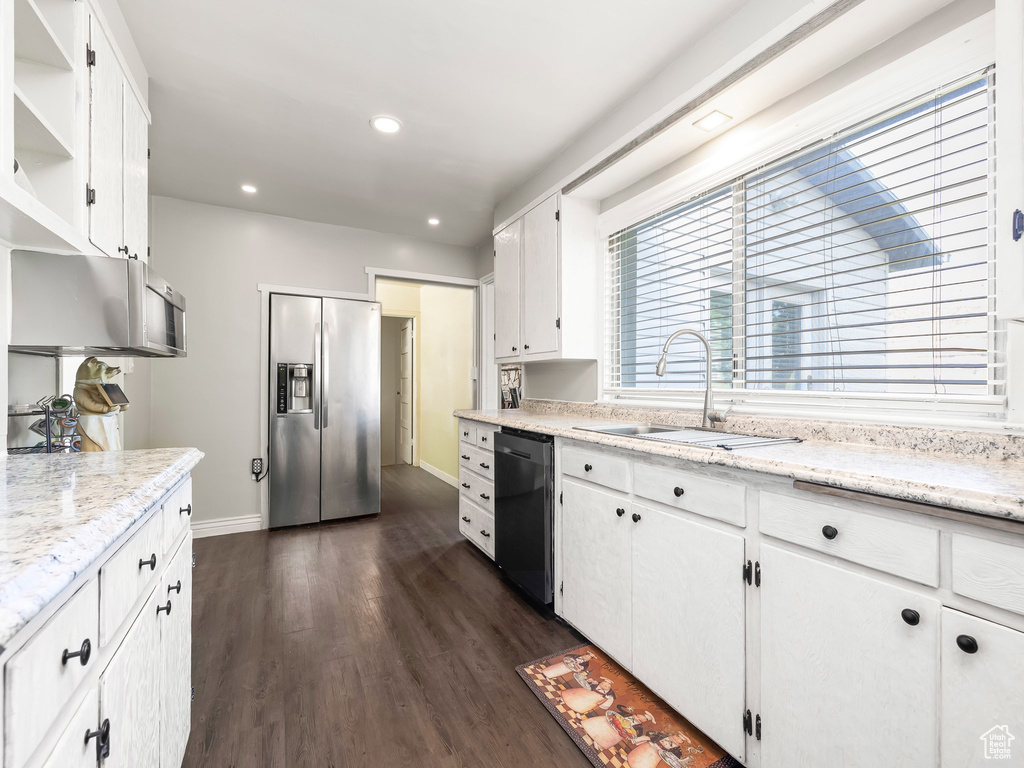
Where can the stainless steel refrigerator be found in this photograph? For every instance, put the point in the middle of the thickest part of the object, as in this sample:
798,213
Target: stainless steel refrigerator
324,409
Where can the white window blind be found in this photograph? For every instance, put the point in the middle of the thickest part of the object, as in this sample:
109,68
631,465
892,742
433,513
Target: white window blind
861,265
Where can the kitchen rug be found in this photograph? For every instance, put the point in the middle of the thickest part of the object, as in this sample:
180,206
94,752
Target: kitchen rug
614,720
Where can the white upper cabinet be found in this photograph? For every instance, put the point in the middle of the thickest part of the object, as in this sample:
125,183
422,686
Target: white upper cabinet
136,177
554,286
1010,132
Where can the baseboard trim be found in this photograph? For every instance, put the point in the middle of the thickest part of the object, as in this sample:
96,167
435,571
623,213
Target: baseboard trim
453,482
225,525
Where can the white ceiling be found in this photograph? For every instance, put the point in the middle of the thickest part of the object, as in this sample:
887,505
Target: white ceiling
279,94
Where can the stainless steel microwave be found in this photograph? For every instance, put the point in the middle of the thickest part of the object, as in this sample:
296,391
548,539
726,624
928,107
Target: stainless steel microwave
93,305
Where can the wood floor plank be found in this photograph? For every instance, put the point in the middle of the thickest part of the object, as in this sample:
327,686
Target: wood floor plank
387,641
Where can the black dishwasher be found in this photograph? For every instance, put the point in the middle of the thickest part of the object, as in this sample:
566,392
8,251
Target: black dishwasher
524,490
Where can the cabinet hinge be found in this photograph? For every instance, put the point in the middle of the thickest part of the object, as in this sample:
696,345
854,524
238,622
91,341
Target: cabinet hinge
90,57
558,322
561,587
559,497
1018,224
90,195
149,154
748,723
748,572
558,215
495,253
757,574
192,696
757,728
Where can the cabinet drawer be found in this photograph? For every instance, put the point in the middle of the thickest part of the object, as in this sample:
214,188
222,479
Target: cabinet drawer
39,679
177,514
480,491
989,571
694,493
902,549
600,468
467,431
477,526
477,460
73,751
128,574
485,436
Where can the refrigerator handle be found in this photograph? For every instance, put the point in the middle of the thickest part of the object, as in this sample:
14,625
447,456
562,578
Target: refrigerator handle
327,370
316,376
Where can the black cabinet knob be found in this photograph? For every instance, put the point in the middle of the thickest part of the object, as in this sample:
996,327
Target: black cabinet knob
483,439
151,562
526,346
912,617
102,737
967,644
829,532
174,587
466,486
465,457
123,249
465,434
466,519
186,509
485,534
514,349
485,466
678,491
161,608
82,654
620,511
636,518
587,467
485,497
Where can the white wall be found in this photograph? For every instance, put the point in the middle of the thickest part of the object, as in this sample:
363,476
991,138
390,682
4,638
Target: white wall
217,257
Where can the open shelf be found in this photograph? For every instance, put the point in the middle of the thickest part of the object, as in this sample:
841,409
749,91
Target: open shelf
34,38
30,225
34,132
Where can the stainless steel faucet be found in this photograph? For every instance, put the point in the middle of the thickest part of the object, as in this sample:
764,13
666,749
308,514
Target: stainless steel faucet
709,417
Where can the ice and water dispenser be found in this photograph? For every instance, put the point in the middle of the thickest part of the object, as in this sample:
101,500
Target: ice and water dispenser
294,388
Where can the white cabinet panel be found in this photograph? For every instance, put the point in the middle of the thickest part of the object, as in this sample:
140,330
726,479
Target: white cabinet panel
136,177
127,575
540,279
130,692
845,680
176,657
507,293
73,750
989,571
106,148
688,621
596,565
982,693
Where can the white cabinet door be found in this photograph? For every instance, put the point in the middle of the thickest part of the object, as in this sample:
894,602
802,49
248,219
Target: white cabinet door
596,591
130,692
845,679
540,279
176,657
687,575
507,257
982,693
73,750
106,147
136,176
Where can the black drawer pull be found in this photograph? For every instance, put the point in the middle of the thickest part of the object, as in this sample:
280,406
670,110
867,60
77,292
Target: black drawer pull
174,587
912,617
636,518
186,509
587,467
102,737
485,534
151,562
466,486
466,519
465,434
167,608
678,491
967,644
484,439
620,511
465,457
82,654
829,532
485,466
485,497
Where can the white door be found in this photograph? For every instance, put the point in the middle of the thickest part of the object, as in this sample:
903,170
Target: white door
686,574
176,655
73,751
845,679
982,693
596,592
507,257
130,692
405,389
136,177
540,279
106,147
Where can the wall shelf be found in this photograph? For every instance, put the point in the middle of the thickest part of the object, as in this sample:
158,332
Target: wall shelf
27,224
32,131
35,40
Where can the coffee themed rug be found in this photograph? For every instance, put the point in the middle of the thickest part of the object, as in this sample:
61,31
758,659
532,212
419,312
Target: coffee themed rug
614,720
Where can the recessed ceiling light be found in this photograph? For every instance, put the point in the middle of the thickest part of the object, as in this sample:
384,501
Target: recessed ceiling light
249,188
386,124
433,221
712,120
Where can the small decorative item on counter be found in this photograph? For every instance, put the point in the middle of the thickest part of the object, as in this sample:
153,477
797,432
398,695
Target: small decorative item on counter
57,426
511,385
97,411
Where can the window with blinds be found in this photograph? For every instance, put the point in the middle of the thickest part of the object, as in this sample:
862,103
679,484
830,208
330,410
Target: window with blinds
861,265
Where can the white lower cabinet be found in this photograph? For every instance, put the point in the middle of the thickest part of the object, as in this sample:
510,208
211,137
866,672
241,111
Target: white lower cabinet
688,607
74,750
596,564
175,655
849,667
982,692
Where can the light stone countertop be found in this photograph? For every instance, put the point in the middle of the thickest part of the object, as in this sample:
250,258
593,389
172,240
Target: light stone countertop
59,513
990,487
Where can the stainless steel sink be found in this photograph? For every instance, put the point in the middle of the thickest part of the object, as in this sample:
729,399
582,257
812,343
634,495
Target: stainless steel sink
699,437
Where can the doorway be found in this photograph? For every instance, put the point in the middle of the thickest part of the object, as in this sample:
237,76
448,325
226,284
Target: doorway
397,390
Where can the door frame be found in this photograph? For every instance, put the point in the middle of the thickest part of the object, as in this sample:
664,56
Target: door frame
414,315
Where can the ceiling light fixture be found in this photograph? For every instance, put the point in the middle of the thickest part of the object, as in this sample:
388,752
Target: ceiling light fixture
249,189
712,120
433,221
386,124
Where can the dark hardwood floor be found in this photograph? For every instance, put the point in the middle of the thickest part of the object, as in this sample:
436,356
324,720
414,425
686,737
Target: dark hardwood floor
385,642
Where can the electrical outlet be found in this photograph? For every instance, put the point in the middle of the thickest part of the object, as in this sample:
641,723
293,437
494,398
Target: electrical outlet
257,467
